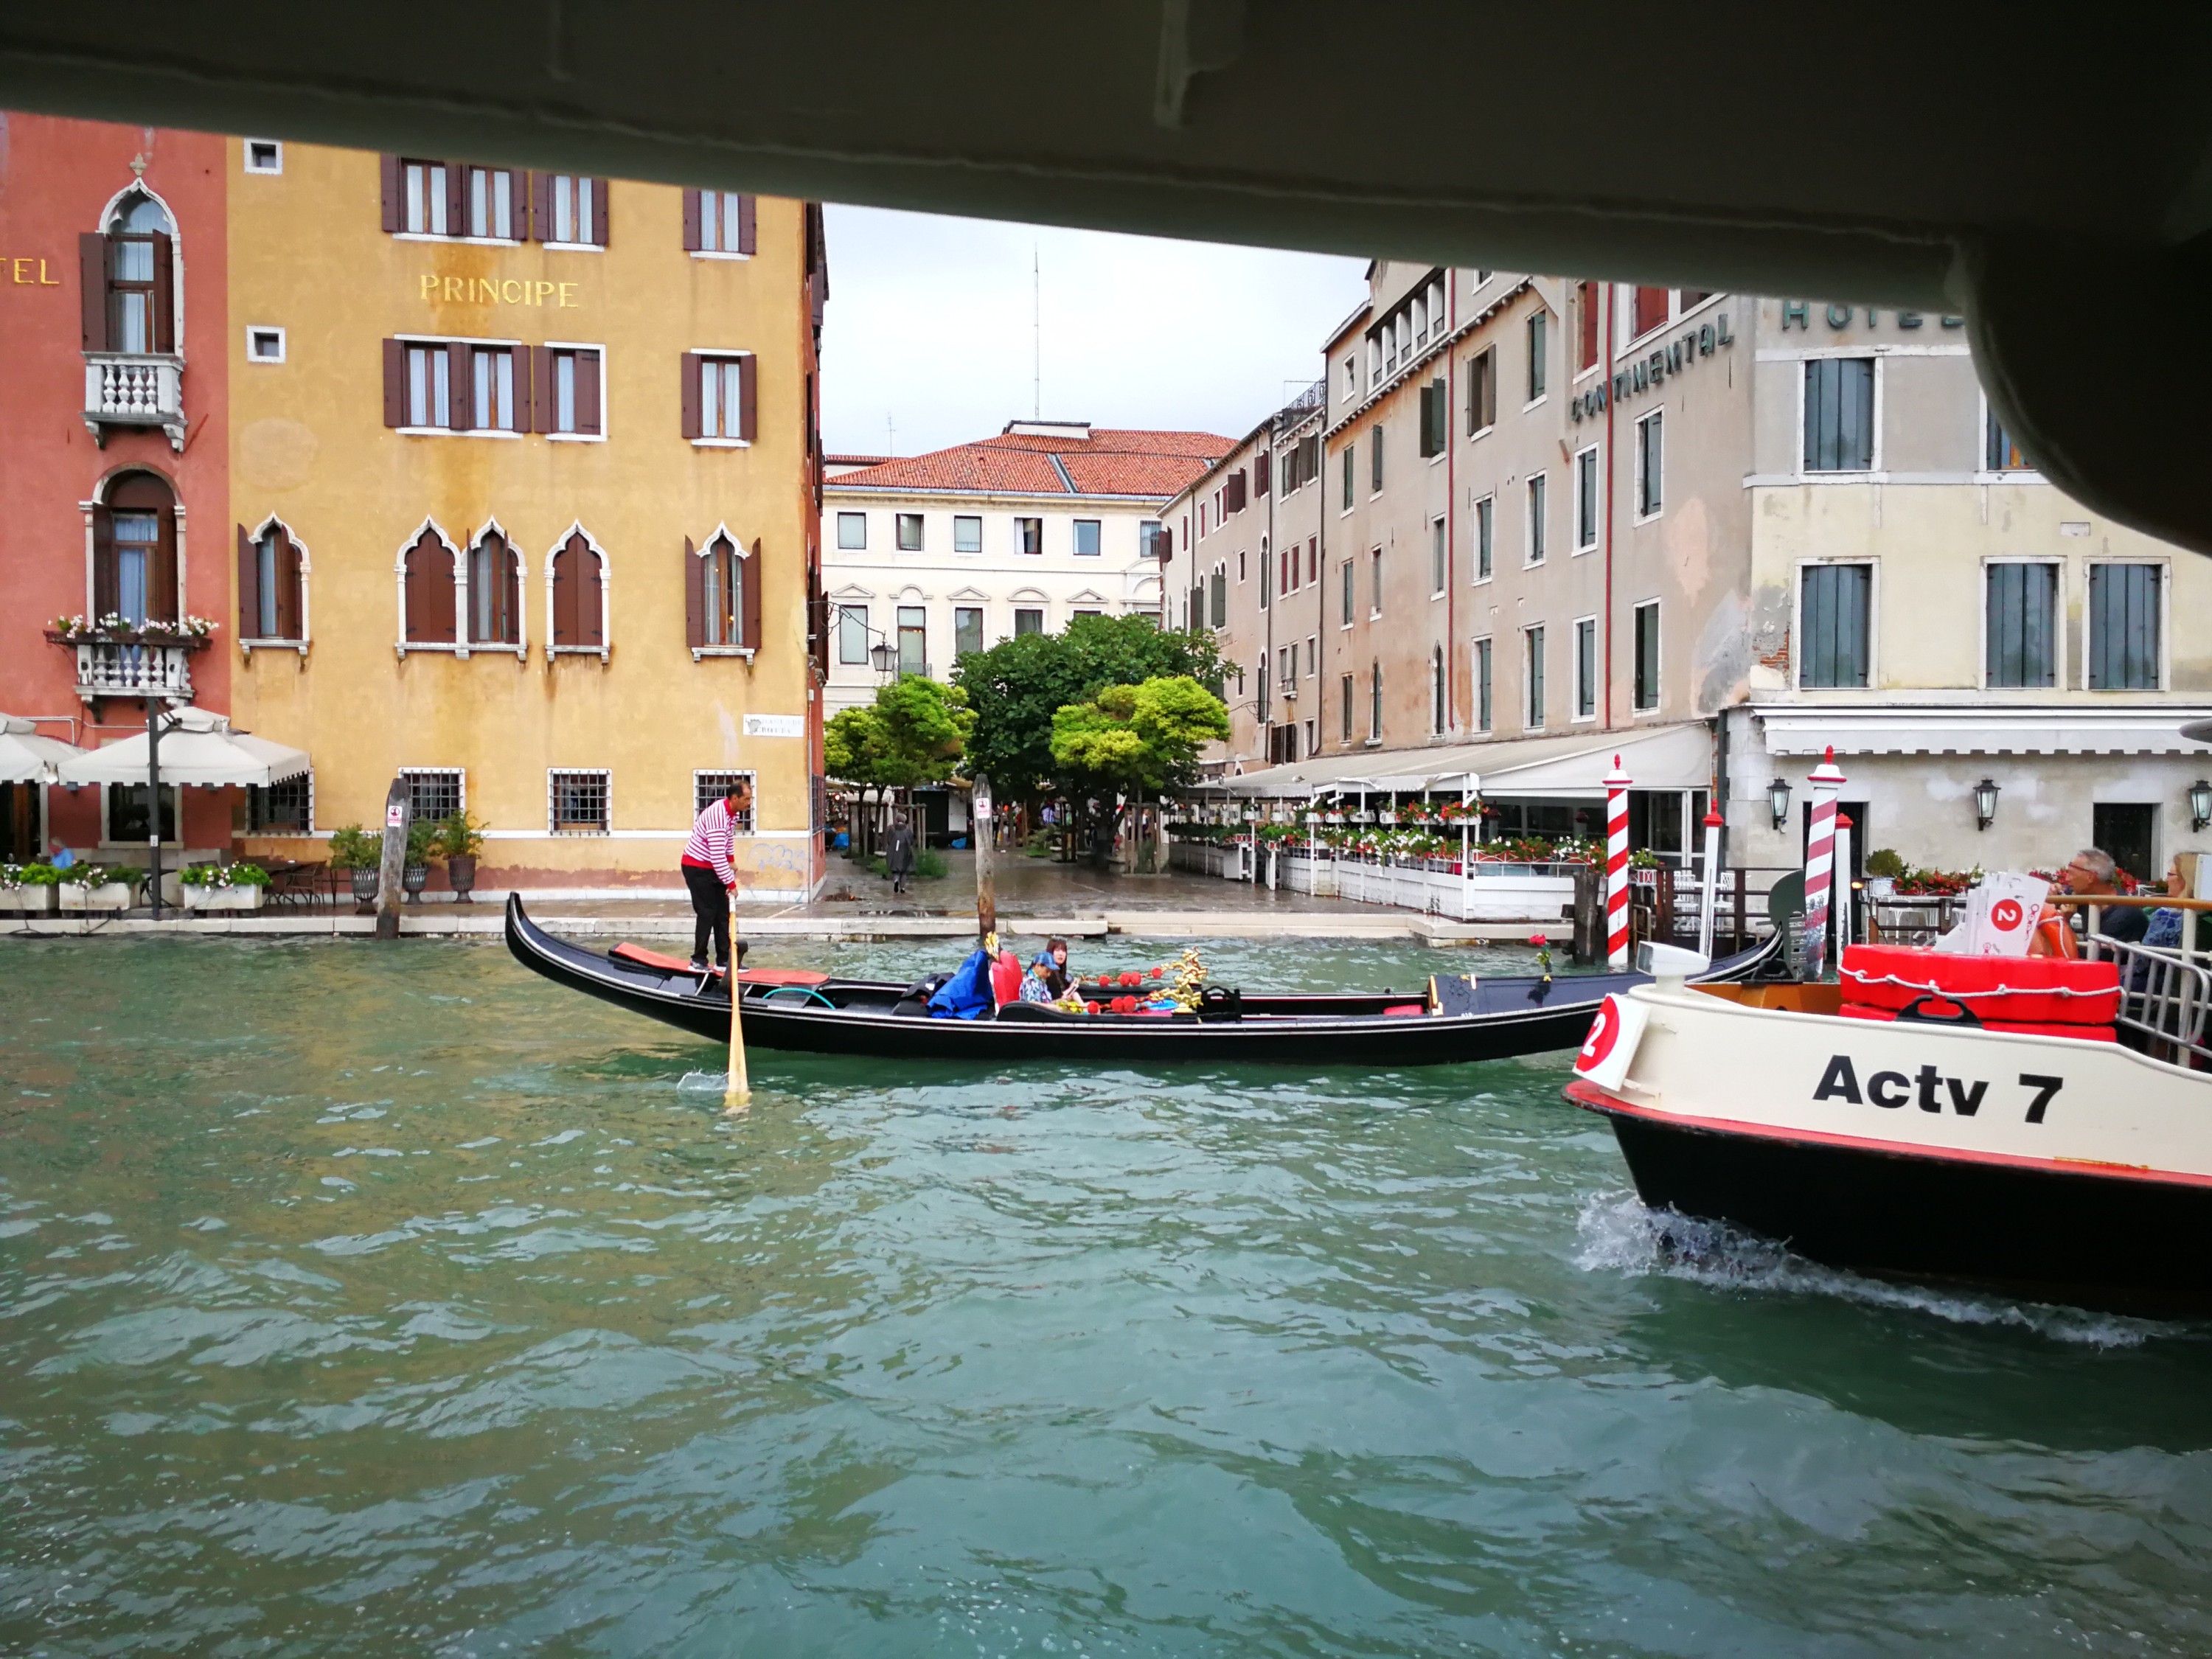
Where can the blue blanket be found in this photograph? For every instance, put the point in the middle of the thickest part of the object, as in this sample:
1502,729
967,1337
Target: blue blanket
967,994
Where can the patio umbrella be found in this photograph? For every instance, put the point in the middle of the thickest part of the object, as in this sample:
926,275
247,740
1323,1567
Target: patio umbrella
198,747
27,758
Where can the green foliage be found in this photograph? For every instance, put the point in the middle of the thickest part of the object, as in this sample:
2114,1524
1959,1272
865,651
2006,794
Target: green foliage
224,875
914,733
1884,861
929,864
353,848
421,836
38,874
1138,737
459,836
1018,685
82,874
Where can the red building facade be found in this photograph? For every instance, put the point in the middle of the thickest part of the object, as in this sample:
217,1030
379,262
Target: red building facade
114,447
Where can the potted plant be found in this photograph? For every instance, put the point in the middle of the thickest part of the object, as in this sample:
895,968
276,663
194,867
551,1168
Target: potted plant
239,886
415,873
96,887
29,888
459,841
354,850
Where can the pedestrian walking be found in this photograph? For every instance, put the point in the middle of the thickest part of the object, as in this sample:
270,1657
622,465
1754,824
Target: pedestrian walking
899,853
707,874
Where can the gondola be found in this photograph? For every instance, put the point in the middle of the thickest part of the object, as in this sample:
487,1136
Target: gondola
795,1010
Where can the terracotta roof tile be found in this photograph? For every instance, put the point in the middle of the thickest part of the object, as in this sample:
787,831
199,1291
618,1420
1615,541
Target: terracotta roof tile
1108,463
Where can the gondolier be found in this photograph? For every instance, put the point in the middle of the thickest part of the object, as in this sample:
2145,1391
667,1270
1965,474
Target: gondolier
709,875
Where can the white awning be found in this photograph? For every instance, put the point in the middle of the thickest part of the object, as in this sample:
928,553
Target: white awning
1569,767
200,748
1981,729
27,758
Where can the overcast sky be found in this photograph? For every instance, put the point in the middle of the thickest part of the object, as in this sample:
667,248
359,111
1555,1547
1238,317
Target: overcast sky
929,327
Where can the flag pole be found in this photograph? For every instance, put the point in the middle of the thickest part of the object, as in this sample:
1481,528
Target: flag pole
738,1093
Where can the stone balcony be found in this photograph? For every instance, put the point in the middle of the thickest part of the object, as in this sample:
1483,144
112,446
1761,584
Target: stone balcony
115,663
134,389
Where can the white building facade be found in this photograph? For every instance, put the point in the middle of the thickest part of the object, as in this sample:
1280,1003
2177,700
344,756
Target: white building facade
929,556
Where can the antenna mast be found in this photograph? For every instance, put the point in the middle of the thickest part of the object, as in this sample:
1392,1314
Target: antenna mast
1036,336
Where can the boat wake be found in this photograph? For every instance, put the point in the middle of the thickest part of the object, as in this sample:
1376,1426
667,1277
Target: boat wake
1621,1234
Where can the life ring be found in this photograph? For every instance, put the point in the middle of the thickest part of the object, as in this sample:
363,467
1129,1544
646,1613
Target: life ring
2053,936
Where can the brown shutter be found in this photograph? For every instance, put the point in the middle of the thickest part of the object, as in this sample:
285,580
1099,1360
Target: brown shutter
460,388
692,232
511,632
749,593
600,203
518,197
288,588
92,278
745,224
588,392
541,206
692,427
457,199
591,603
440,614
103,563
162,581
694,597
411,584
748,397
165,308
249,586
395,196
1262,464
564,593
524,409
541,388
395,383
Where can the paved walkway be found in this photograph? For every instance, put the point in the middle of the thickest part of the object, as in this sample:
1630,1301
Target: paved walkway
1036,895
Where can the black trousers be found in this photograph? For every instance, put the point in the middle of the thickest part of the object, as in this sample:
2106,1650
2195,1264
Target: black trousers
710,905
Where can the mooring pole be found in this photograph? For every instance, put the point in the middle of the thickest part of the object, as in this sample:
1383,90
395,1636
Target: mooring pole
398,811
738,1091
154,802
1710,895
983,831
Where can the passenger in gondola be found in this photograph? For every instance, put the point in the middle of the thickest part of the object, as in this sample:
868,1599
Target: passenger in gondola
1054,960
1036,984
2091,874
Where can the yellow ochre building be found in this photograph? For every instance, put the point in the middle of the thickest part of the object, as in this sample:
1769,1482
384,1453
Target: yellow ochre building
527,477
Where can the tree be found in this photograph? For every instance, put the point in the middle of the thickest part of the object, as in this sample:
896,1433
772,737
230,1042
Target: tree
1139,739
1017,687
914,733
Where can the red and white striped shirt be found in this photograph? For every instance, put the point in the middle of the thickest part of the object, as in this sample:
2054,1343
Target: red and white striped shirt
709,847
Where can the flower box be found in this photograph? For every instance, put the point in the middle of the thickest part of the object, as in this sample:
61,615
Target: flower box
29,899
108,896
241,897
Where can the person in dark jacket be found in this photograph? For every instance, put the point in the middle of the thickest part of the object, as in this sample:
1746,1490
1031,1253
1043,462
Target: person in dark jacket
899,853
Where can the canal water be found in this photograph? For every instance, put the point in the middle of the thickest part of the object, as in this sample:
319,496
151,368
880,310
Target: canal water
389,1302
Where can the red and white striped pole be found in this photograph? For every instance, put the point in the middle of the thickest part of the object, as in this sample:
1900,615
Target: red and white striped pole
1616,867
1709,891
1827,782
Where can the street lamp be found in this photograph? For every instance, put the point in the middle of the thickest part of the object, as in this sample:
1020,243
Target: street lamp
2200,804
1778,800
1985,802
882,654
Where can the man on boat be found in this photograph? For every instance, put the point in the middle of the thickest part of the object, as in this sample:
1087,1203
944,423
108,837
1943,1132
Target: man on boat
2091,874
707,874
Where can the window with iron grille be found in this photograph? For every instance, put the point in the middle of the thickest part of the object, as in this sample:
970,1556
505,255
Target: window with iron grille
2124,626
2019,626
708,787
435,794
576,802
1835,620
281,809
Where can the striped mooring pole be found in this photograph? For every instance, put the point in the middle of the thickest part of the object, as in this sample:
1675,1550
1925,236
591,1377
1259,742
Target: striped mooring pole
1827,782
1616,867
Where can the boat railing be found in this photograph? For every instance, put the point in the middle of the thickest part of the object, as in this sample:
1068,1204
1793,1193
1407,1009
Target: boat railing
2165,998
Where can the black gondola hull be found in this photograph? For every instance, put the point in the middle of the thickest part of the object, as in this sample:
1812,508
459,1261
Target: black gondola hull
1559,1020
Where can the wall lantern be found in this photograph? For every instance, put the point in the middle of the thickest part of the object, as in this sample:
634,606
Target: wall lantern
1778,800
1985,802
2200,804
880,654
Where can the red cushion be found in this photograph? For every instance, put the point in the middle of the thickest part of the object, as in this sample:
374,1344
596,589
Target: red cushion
2025,1028
1006,977
1407,1008
2036,989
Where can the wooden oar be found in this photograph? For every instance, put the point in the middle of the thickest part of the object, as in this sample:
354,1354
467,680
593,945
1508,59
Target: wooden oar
739,1094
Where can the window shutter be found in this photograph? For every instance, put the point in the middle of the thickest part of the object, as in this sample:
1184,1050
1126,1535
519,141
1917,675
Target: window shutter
440,613
517,197
461,388
541,387
692,242
694,597
1262,464
750,594
691,423
745,224
249,586
165,308
457,199
511,630
541,206
288,588
395,198
591,597
588,392
524,385
92,278
103,563
600,203
395,383
162,581
748,397
412,585
564,593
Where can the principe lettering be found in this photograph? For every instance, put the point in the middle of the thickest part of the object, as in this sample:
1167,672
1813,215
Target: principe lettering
498,291
1927,1088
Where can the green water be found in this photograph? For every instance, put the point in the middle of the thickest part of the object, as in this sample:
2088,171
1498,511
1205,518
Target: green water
386,1301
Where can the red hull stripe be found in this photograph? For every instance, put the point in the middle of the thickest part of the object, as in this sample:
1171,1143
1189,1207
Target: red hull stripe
1590,1095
